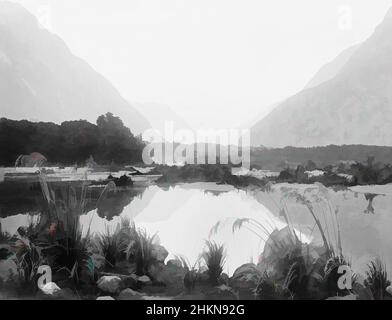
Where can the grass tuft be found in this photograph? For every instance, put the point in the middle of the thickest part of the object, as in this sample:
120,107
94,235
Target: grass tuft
214,257
111,245
140,250
377,279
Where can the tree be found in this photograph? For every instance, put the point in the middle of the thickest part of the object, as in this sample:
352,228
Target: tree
120,145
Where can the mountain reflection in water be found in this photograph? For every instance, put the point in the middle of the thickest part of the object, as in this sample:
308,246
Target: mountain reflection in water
183,216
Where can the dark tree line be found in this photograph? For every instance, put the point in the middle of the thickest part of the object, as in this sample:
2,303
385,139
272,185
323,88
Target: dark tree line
71,142
281,158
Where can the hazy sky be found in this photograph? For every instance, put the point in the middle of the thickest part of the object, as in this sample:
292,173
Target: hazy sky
218,63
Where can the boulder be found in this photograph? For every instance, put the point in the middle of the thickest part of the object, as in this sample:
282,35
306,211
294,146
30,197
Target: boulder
129,294
129,281
144,280
349,297
222,292
279,242
245,277
171,275
159,253
105,298
109,284
245,280
174,262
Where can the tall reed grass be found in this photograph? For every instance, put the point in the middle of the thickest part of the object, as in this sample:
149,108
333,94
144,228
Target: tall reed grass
214,257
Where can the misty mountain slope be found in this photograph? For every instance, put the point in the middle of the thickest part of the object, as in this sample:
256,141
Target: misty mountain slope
332,69
326,73
354,107
157,114
40,79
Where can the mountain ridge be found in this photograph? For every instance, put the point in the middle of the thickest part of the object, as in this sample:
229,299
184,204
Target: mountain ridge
355,107
41,79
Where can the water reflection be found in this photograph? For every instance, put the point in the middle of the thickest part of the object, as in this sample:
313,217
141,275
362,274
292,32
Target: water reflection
364,236
183,216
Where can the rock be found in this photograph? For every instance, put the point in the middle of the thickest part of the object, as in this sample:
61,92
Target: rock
50,289
171,275
389,290
129,294
156,298
109,284
222,292
245,277
159,253
245,280
129,281
349,297
144,280
174,262
278,240
105,298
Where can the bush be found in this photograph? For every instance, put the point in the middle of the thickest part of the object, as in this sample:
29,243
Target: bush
140,250
66,249
70,251
28,259
111,246
377,279
214,258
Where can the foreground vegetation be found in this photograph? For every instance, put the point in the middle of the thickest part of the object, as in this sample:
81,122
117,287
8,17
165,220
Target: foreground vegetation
128,263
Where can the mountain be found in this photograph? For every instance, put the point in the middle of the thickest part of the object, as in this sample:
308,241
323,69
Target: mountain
354,107
157,114
326,73
332,69
259,116
40,79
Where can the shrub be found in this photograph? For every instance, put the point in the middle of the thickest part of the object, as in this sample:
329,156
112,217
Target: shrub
111,246
269,289
191,275
28,258
70,251
140,250
66,249
214,257
377,279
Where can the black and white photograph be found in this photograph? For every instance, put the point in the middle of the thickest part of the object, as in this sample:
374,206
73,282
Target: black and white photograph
217,151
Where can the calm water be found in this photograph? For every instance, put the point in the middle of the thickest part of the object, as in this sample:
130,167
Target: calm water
183,216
